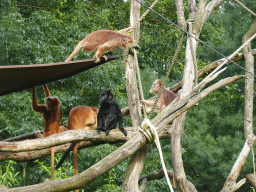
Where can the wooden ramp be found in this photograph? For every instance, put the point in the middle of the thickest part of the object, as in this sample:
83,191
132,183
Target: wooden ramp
18,77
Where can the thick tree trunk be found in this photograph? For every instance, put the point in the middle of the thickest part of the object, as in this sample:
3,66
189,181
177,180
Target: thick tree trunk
249,82
198,16
130,181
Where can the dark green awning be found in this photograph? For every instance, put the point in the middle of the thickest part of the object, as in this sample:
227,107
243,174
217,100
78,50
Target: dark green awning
18,77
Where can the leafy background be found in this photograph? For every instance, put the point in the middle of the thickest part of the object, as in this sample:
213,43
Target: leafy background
45,31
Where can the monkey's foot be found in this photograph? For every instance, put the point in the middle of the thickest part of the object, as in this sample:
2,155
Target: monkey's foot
123,131
97,60
98,131
105,57
38,134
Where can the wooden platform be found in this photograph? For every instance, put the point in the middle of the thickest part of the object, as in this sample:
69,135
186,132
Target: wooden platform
18,77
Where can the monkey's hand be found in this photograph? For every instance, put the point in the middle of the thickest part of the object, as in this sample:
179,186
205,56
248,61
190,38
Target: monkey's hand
123,131
132,47
135,46
145,102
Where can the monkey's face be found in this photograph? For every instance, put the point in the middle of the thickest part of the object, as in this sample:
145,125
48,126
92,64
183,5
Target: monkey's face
127,41
106,96
155,88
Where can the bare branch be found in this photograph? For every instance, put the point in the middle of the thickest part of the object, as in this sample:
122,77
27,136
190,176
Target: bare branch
180,13
156,175
230,184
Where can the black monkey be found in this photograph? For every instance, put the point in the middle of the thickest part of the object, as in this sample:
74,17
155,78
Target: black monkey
109,113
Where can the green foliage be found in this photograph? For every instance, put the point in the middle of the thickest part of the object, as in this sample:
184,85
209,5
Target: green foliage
7,175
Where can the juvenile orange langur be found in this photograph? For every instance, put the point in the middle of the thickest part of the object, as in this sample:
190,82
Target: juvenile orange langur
166,97
101,41
51,113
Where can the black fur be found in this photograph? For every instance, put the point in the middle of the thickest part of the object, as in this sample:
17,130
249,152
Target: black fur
66,154
109,113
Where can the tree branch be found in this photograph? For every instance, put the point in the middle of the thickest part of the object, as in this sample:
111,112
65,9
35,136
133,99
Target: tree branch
155,175
230,184
209,68
180,13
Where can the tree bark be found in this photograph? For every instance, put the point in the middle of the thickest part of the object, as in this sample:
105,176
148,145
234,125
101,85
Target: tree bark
249,83
252,179
114,138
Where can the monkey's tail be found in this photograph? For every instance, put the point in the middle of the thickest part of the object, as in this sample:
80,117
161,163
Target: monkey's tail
66,154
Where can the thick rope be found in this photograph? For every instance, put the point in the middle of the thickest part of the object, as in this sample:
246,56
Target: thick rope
147,123
167,74
190,28
247,9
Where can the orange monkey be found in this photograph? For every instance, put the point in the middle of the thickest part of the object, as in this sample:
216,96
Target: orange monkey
101,41
80,117
51,113
166,97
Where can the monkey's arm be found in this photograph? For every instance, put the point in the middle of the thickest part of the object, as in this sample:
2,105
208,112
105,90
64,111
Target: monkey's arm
120,120
35,106
99,120
46,91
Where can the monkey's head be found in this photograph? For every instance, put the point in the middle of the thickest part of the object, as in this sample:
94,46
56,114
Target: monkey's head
156,86
53,102
127,41
106,96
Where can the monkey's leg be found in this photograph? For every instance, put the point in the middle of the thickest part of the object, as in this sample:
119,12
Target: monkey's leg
76,50
101,50
75,161
52,162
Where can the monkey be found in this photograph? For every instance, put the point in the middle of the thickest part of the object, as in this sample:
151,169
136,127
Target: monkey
80,117
101,41
51,114
109,113
166,97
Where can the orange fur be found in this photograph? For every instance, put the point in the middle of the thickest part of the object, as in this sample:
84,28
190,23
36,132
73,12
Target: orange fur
51,113
82,117
101,41
166,97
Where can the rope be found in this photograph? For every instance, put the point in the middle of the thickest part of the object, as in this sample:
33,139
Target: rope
168,73
139,80
147,123
247,9
194,37
131,29
193,52
143,16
